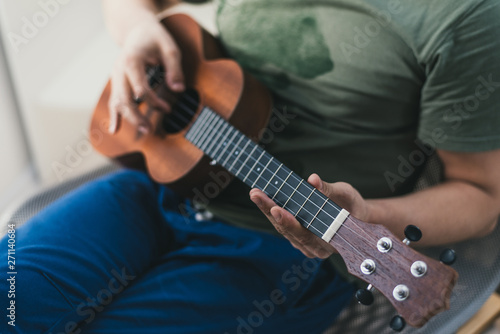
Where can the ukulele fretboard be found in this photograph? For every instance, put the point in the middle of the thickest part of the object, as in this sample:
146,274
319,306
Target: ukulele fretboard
249,162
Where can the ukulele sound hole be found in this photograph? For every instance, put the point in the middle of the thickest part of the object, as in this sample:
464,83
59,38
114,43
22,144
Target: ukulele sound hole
183,110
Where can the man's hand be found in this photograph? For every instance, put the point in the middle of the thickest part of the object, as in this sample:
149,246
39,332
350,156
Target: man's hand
285,223
144,41
147,44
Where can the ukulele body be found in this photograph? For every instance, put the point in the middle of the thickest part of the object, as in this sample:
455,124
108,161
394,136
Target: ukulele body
220,84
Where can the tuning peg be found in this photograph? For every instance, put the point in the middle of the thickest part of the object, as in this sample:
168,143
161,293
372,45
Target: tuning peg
412,233
365,296
397,323
448,256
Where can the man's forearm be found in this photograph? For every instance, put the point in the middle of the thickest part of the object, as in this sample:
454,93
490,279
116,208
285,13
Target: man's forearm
122,15
449,212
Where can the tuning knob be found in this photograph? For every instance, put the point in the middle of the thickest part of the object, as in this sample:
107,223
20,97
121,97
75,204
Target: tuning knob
412,234
365,296
397,323
448,256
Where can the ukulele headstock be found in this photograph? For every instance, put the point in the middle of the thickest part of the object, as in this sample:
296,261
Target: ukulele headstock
417,286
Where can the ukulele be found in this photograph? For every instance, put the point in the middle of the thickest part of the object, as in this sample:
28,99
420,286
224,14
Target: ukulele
209,130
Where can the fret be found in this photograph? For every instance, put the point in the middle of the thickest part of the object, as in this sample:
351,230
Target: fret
271,178
232,151
267,174
201,127
320,209
255,163
195,128
265,167
319,198
302,210
212,132
220,133
206,131
228,143
284,195
255,167
325,217
248,157
290,197
241,153
306,201
284,182
226,131
247,168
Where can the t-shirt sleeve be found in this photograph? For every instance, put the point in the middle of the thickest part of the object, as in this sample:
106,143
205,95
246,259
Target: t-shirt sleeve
460,102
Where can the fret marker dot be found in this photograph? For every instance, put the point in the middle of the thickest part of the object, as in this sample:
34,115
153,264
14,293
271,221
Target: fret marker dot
236,153
276,182
258,169
224,143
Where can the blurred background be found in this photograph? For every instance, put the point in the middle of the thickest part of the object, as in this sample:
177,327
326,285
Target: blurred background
55,59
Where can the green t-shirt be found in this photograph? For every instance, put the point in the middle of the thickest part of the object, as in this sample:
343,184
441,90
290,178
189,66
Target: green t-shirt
364,79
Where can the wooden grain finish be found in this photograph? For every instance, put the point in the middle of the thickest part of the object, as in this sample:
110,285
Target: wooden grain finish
221,84
429,294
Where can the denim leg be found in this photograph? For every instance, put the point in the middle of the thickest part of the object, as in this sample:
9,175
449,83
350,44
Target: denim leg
82,251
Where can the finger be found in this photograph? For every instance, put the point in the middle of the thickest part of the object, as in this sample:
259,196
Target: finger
304,250
121,103
113,114
286,224
342,193
305,239
265,204
171,58
137,77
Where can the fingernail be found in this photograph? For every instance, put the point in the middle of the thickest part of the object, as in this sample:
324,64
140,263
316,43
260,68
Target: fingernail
320,185
256,200
111,128
143,129
178,86
276,215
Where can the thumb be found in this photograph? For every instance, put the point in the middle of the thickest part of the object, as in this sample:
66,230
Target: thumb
340,192
319,184
172,63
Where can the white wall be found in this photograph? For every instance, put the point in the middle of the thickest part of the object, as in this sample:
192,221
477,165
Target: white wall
42,38
15,163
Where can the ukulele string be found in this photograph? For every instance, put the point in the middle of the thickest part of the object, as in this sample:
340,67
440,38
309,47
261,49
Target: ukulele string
351,245
188,110
258,163
297,179
368,238
191,113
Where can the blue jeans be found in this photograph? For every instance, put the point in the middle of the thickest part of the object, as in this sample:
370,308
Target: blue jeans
125,255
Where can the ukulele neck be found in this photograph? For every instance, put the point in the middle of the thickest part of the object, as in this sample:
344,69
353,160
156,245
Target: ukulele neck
249,162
